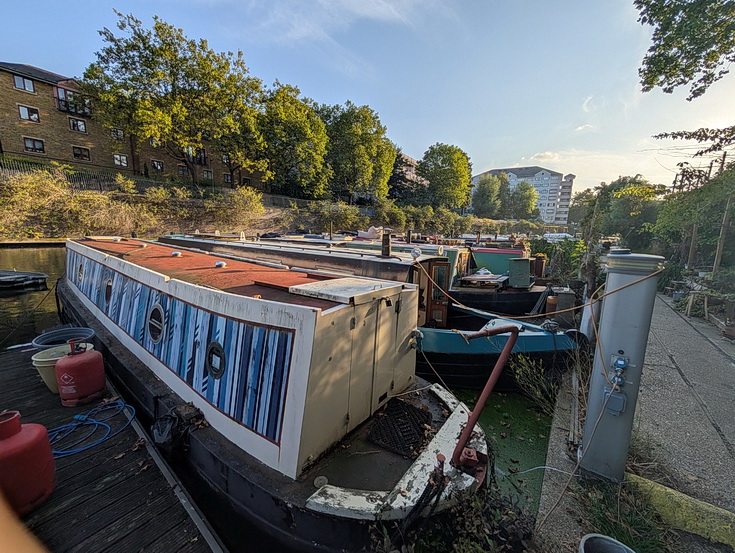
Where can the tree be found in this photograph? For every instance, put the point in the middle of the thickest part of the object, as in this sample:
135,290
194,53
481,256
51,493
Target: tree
296,144
628,207
523,201
360,155
581,204
159,85
244,149
404,185
504,196
485,199
693,42
448,170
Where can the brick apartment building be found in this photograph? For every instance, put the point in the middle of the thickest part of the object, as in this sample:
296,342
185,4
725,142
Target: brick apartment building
44,117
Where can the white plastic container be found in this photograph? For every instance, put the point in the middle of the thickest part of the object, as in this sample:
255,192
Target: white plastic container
45,362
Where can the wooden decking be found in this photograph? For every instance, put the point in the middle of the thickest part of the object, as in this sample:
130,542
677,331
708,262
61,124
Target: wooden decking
111,497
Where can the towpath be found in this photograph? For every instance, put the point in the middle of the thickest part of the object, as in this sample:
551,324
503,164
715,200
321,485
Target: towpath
685,416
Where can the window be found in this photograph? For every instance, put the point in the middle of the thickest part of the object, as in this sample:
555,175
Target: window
246,181
28,114
200,157
154,142
80,273
73,102
108,291
34,145
78,125
227,178
120,160
214,360
157,165
182,170
23,84
80,153
207,174
155,323
118,134
225,158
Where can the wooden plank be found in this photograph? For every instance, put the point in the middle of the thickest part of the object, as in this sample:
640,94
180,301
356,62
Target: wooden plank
108,497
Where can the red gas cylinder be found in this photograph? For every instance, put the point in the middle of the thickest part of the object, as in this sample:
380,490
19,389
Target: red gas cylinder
80,375
27,471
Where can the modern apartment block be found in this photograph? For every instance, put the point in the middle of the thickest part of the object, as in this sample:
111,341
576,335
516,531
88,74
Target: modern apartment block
554,190
44,117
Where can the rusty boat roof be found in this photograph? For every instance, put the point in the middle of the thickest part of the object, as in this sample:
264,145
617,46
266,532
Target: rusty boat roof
237,277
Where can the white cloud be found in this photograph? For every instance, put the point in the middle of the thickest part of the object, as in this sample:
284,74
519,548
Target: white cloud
587,104
318,20
583,127
544,157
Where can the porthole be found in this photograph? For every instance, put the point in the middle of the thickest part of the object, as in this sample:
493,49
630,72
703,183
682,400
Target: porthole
155,323
80,273
108,292
215,360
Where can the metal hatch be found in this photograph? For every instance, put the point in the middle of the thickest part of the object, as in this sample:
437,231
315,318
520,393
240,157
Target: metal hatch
355,291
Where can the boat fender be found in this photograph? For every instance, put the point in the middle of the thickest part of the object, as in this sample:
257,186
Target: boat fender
220,264
175,254
414,340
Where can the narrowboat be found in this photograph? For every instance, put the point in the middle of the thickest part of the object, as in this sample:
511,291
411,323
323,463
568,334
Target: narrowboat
443,353
296,391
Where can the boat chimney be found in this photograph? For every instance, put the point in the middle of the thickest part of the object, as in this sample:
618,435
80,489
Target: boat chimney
626,320
385,249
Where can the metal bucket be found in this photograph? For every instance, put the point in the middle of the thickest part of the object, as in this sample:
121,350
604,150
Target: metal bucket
597,543
60,336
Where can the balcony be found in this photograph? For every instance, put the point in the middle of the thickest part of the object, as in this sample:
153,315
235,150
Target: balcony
81,108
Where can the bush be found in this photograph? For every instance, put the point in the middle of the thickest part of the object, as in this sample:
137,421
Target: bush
236,209
42,204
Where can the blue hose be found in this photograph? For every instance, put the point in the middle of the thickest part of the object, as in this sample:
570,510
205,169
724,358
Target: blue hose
97,430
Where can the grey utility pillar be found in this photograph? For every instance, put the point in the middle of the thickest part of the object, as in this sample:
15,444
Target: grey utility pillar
616,375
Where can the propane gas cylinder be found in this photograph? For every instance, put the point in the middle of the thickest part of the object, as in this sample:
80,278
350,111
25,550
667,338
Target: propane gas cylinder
80,375
27,471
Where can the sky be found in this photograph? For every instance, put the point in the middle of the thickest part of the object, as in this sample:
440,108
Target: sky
510,82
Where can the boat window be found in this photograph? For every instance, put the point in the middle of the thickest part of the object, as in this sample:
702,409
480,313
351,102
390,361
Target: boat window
440,277
215,360
108,291
155,323
80,273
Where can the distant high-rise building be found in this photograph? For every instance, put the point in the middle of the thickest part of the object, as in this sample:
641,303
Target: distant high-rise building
554,190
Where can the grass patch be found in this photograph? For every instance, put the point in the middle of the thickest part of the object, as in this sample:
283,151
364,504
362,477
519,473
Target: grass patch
619,511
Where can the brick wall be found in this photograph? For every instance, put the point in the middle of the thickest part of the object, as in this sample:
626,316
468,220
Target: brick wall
60,137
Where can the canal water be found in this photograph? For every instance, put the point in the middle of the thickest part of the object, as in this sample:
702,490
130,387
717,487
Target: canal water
25,313
517,433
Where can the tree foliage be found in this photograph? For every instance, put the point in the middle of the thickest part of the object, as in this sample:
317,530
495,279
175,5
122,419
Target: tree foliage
360,155
703,207
581,202
158,84
296,144
693,43
405,186
628,207
523,201
504,195
485,199
448,170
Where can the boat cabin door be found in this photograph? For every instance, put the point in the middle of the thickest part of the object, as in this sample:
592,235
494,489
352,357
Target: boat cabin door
438,303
